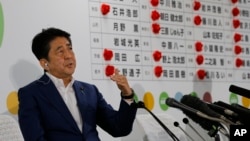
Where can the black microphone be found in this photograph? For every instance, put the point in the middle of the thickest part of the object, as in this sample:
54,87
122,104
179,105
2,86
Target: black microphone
228,113
173,103
245,112
186,121
222,110
239,90
140,104
208,123
243,115
241,107
198,104
176,124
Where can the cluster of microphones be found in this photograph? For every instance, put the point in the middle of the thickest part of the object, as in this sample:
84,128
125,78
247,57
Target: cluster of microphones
216,117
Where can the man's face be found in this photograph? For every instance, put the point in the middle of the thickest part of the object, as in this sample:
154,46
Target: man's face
61,58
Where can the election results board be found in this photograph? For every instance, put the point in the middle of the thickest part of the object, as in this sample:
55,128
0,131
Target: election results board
171,40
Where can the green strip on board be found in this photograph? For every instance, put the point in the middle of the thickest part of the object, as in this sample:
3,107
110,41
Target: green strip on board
1,25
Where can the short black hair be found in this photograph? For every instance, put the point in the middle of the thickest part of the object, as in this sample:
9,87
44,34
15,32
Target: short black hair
40,43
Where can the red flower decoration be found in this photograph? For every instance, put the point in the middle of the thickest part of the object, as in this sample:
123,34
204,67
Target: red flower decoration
156,28
199,59
201,74
198,46
236,23
157,55
197,20
197,5
107,54
237,37
238,62
155,15
158,71
105,8
155,2
237,49
110,70
234,1
235,11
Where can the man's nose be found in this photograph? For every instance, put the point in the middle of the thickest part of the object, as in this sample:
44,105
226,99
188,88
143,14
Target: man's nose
68,54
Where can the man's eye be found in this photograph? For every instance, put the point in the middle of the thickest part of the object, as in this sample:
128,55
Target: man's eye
60,51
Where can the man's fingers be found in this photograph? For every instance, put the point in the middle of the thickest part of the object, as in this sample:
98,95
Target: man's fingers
116,71
115,76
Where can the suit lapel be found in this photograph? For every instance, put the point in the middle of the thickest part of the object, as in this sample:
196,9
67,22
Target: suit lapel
80,93
52,94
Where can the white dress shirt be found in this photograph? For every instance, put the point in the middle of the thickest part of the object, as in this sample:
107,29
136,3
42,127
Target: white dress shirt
68,95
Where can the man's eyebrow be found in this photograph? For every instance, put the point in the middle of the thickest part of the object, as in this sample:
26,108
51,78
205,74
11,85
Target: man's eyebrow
58,48
69,44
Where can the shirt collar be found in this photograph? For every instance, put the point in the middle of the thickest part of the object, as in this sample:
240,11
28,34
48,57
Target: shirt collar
59,82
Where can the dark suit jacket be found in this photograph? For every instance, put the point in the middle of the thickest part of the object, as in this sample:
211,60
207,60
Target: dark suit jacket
43,115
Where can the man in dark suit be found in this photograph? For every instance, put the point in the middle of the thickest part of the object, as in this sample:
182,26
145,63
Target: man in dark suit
56,107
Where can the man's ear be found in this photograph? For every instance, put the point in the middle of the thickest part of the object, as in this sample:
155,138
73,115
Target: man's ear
44,64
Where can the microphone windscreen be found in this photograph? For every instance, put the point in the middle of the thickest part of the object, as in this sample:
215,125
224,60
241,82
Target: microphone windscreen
196,103
239,90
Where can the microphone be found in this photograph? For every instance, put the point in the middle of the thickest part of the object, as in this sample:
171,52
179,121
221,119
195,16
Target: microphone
186,121
240,91
228,113
243,114
198,104
241,107
222,110
173,103
176,124
140,104
208,123
193,101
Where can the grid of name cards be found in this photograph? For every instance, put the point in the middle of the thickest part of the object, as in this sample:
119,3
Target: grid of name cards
174,40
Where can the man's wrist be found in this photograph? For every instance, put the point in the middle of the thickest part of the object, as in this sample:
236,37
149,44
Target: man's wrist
130,96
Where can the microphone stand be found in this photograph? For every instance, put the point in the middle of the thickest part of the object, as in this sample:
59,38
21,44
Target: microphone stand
141,105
